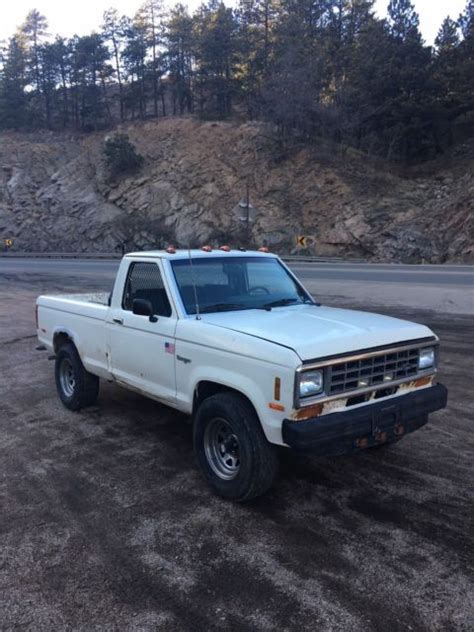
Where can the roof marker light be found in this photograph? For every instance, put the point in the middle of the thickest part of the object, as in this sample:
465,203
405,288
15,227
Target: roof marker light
171,250
263,249
224,248
207,248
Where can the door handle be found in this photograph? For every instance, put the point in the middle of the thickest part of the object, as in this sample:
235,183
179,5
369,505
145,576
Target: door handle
119,321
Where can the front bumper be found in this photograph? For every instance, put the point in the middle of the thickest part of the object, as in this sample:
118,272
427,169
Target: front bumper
365,426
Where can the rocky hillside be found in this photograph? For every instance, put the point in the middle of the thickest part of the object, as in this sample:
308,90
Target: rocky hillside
55,195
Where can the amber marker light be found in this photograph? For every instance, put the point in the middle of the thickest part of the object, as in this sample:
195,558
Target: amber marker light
171,250
207,248
224,248
277,389
263,249
275,406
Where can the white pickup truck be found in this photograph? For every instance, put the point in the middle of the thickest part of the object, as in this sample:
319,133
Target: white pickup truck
235,340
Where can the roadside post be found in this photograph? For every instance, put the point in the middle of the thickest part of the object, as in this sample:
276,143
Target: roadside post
246,213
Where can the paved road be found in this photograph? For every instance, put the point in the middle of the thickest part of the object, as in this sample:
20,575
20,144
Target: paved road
386,273
445,288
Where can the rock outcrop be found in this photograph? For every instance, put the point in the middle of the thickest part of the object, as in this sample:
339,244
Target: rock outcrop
55,195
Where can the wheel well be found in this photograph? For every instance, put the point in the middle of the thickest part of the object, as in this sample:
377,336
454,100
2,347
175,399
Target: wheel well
60,339
208,388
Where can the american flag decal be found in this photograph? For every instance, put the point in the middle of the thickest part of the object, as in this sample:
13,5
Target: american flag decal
170,347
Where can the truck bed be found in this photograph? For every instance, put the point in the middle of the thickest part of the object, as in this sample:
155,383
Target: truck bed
82,316
98,298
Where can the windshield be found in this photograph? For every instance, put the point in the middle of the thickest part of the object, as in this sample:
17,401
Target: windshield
233,283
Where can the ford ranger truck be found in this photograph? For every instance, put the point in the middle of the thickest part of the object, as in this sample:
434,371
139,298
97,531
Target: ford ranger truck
234,340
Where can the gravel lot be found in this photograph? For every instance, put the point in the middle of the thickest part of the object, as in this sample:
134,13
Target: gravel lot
106,524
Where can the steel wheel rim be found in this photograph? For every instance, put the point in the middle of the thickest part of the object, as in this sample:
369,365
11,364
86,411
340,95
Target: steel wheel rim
222,449
67,378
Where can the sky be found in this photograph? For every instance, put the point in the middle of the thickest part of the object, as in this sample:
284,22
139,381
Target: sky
68,18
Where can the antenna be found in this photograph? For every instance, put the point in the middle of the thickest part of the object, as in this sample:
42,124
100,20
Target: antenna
198,317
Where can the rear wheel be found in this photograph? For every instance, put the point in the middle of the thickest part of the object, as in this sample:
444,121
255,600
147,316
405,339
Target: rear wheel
76,387
231,449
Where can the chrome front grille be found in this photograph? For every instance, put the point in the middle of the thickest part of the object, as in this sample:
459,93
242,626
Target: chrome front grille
372,371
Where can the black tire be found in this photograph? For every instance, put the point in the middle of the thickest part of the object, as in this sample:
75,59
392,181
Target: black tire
257,459
82,388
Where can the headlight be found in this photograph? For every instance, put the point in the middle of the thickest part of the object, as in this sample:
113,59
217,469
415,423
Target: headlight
311,383
427,358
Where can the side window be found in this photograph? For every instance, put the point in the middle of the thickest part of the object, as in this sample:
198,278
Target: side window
144,281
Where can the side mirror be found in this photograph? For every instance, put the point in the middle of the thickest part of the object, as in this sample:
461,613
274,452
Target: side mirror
142,307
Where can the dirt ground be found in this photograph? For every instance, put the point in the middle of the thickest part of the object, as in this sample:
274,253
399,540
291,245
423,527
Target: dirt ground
106,524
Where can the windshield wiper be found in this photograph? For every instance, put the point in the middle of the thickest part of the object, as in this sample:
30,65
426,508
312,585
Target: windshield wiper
221,307
224,307
281,302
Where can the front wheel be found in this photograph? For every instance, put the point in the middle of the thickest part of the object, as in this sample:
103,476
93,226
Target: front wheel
231,449
76,387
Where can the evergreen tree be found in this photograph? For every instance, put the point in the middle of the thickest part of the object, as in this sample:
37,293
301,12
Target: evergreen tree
134,57
216,54
403,19
179,41
447,38
34,29
149,19
33,32
113,30
13,98
90,69
466,20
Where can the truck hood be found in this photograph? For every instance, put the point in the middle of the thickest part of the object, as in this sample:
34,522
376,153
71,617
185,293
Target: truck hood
316,332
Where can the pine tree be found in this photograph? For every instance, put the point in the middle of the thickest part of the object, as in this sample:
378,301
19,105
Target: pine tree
403,19
180,43
466,20
216,53
447,37
149,19
34,28
13,99
113,29
134,57
33,32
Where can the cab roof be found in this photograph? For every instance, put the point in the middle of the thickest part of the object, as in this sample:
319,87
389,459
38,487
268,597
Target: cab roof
197,253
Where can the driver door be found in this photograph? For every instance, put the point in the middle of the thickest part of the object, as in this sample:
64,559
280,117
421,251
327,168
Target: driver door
142,352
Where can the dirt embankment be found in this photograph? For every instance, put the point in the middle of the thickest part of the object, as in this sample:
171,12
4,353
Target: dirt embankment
54,195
